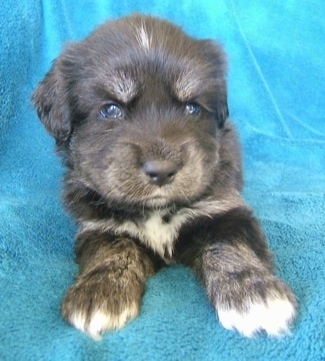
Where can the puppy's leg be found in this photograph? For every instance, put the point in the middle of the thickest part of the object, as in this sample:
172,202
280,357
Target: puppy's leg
231,258
108,290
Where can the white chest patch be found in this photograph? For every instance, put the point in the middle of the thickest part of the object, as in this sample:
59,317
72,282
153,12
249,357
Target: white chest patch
156,234
153,231
161,236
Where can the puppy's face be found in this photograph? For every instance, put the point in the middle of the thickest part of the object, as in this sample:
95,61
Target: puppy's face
136,108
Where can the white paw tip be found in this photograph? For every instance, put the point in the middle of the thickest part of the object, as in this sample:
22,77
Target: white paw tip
100,321
274,317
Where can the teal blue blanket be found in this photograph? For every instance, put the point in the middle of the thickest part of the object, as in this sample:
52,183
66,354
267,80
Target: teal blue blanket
276,53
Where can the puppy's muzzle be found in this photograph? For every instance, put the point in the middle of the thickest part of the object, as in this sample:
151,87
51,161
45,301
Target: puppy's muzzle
160,172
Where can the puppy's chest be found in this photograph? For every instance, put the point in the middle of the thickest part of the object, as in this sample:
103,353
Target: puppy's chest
158,231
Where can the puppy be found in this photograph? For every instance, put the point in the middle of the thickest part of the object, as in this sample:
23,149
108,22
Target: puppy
139,113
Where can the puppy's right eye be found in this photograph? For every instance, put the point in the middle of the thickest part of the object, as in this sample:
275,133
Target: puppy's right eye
192,109
111,110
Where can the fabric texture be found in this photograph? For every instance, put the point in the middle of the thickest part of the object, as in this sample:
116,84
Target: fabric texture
276,88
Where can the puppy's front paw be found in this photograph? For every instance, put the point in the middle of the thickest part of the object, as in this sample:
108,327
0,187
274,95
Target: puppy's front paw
94,306
99,321
273,314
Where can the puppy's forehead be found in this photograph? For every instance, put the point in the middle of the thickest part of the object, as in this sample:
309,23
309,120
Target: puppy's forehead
131,48
144,38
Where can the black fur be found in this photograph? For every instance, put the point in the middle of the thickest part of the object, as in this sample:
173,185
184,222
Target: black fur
139,113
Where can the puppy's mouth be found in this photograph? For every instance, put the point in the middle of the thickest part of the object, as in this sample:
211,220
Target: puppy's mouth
157,202
159,197
165,197
158,184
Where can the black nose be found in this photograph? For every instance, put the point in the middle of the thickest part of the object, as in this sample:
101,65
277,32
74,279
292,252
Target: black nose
160,172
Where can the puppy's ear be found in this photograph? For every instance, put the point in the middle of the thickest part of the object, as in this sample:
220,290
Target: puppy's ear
217,58
222,106
52,103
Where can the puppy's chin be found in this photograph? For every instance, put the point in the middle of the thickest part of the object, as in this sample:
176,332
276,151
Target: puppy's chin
158,203
159,199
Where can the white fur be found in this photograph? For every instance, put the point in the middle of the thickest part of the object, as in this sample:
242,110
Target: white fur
159,236
101,321
155,233
274,316
144,39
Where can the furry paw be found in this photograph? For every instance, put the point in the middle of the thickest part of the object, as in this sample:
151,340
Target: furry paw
95,307
100,321
274,315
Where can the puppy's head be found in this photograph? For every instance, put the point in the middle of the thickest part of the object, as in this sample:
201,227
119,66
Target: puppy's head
136,108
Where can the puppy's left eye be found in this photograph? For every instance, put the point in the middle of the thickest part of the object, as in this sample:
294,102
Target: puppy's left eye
192,109
111,110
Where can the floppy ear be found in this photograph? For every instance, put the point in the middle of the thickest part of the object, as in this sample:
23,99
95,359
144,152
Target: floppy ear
52,103
222,105
217,58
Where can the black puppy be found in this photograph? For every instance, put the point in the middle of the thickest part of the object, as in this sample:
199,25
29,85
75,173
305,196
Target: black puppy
139,113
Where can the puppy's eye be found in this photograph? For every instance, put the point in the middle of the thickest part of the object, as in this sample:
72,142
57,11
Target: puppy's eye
111,110
192,109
